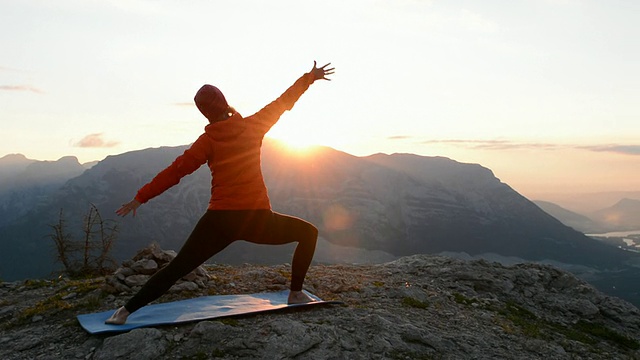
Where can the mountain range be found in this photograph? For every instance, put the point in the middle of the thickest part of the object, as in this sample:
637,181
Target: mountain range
624,215
375,207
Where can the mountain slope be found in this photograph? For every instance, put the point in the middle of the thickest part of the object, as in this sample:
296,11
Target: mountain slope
406,204
400,204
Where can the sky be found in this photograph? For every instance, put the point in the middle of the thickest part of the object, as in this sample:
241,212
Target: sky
545,93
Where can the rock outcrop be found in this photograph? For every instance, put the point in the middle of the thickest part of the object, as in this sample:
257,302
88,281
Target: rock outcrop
135,272
417,307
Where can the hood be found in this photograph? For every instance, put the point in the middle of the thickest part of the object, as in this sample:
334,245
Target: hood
228,129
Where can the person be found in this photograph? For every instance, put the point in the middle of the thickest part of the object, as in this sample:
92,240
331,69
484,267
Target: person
239,207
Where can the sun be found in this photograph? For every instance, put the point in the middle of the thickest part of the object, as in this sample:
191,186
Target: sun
303,139
296,139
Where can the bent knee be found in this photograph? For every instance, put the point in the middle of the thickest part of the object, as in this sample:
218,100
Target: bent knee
308,234
313,232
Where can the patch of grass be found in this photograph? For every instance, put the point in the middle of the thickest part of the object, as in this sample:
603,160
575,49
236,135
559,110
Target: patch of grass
91,302
200,355
414,303
604,333
409,355
212,291
50,304
585,332
284,272
73,322
461,299
378,284
217,353
81,287
36,283
527,321
229,321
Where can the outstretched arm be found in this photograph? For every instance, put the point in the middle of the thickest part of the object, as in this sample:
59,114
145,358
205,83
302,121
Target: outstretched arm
183,165
269,115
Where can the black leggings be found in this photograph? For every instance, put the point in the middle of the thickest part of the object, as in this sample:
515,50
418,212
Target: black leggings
216,230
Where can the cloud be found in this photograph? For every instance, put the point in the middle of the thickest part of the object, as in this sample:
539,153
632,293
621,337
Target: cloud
399,137
512,145
21,88
615,148
495,144
95,141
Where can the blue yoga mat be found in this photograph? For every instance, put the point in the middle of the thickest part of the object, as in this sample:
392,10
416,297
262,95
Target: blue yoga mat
201,308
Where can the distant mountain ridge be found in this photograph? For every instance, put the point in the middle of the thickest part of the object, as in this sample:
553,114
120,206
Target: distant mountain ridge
26,183
624,215
577,221
14,163
400,204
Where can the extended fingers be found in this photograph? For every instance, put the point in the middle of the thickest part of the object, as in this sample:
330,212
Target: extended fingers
125,209
322,71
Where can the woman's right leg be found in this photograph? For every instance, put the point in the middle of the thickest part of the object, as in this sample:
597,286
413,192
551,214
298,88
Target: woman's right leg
205,241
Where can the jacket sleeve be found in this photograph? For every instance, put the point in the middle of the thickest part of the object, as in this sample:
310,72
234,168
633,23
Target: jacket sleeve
269,115
183,165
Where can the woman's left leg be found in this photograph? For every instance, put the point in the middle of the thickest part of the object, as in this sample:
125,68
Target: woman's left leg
207,239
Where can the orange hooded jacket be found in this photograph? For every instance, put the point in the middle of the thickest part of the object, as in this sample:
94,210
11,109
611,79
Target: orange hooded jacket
231,148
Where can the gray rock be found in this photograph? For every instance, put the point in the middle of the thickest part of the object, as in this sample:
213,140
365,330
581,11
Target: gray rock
184,286
136,280
139,344
145,266
417,307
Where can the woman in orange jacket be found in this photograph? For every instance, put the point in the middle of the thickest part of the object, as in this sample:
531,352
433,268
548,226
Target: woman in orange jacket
239,208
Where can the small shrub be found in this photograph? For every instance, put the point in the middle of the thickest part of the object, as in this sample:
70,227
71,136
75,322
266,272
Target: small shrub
88,255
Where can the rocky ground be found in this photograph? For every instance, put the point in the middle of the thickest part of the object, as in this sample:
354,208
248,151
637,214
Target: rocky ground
418,307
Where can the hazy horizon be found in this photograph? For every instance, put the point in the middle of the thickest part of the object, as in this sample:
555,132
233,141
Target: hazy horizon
583,203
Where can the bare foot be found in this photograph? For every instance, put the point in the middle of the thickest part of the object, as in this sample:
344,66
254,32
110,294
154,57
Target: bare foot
298,297
119,317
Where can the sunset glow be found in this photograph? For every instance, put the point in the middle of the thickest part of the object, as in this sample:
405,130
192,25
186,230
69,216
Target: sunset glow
548,108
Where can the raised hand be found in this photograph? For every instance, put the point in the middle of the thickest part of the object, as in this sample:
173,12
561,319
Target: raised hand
321,72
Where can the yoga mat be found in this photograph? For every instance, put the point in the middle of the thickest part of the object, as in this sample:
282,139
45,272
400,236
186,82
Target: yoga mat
201,308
